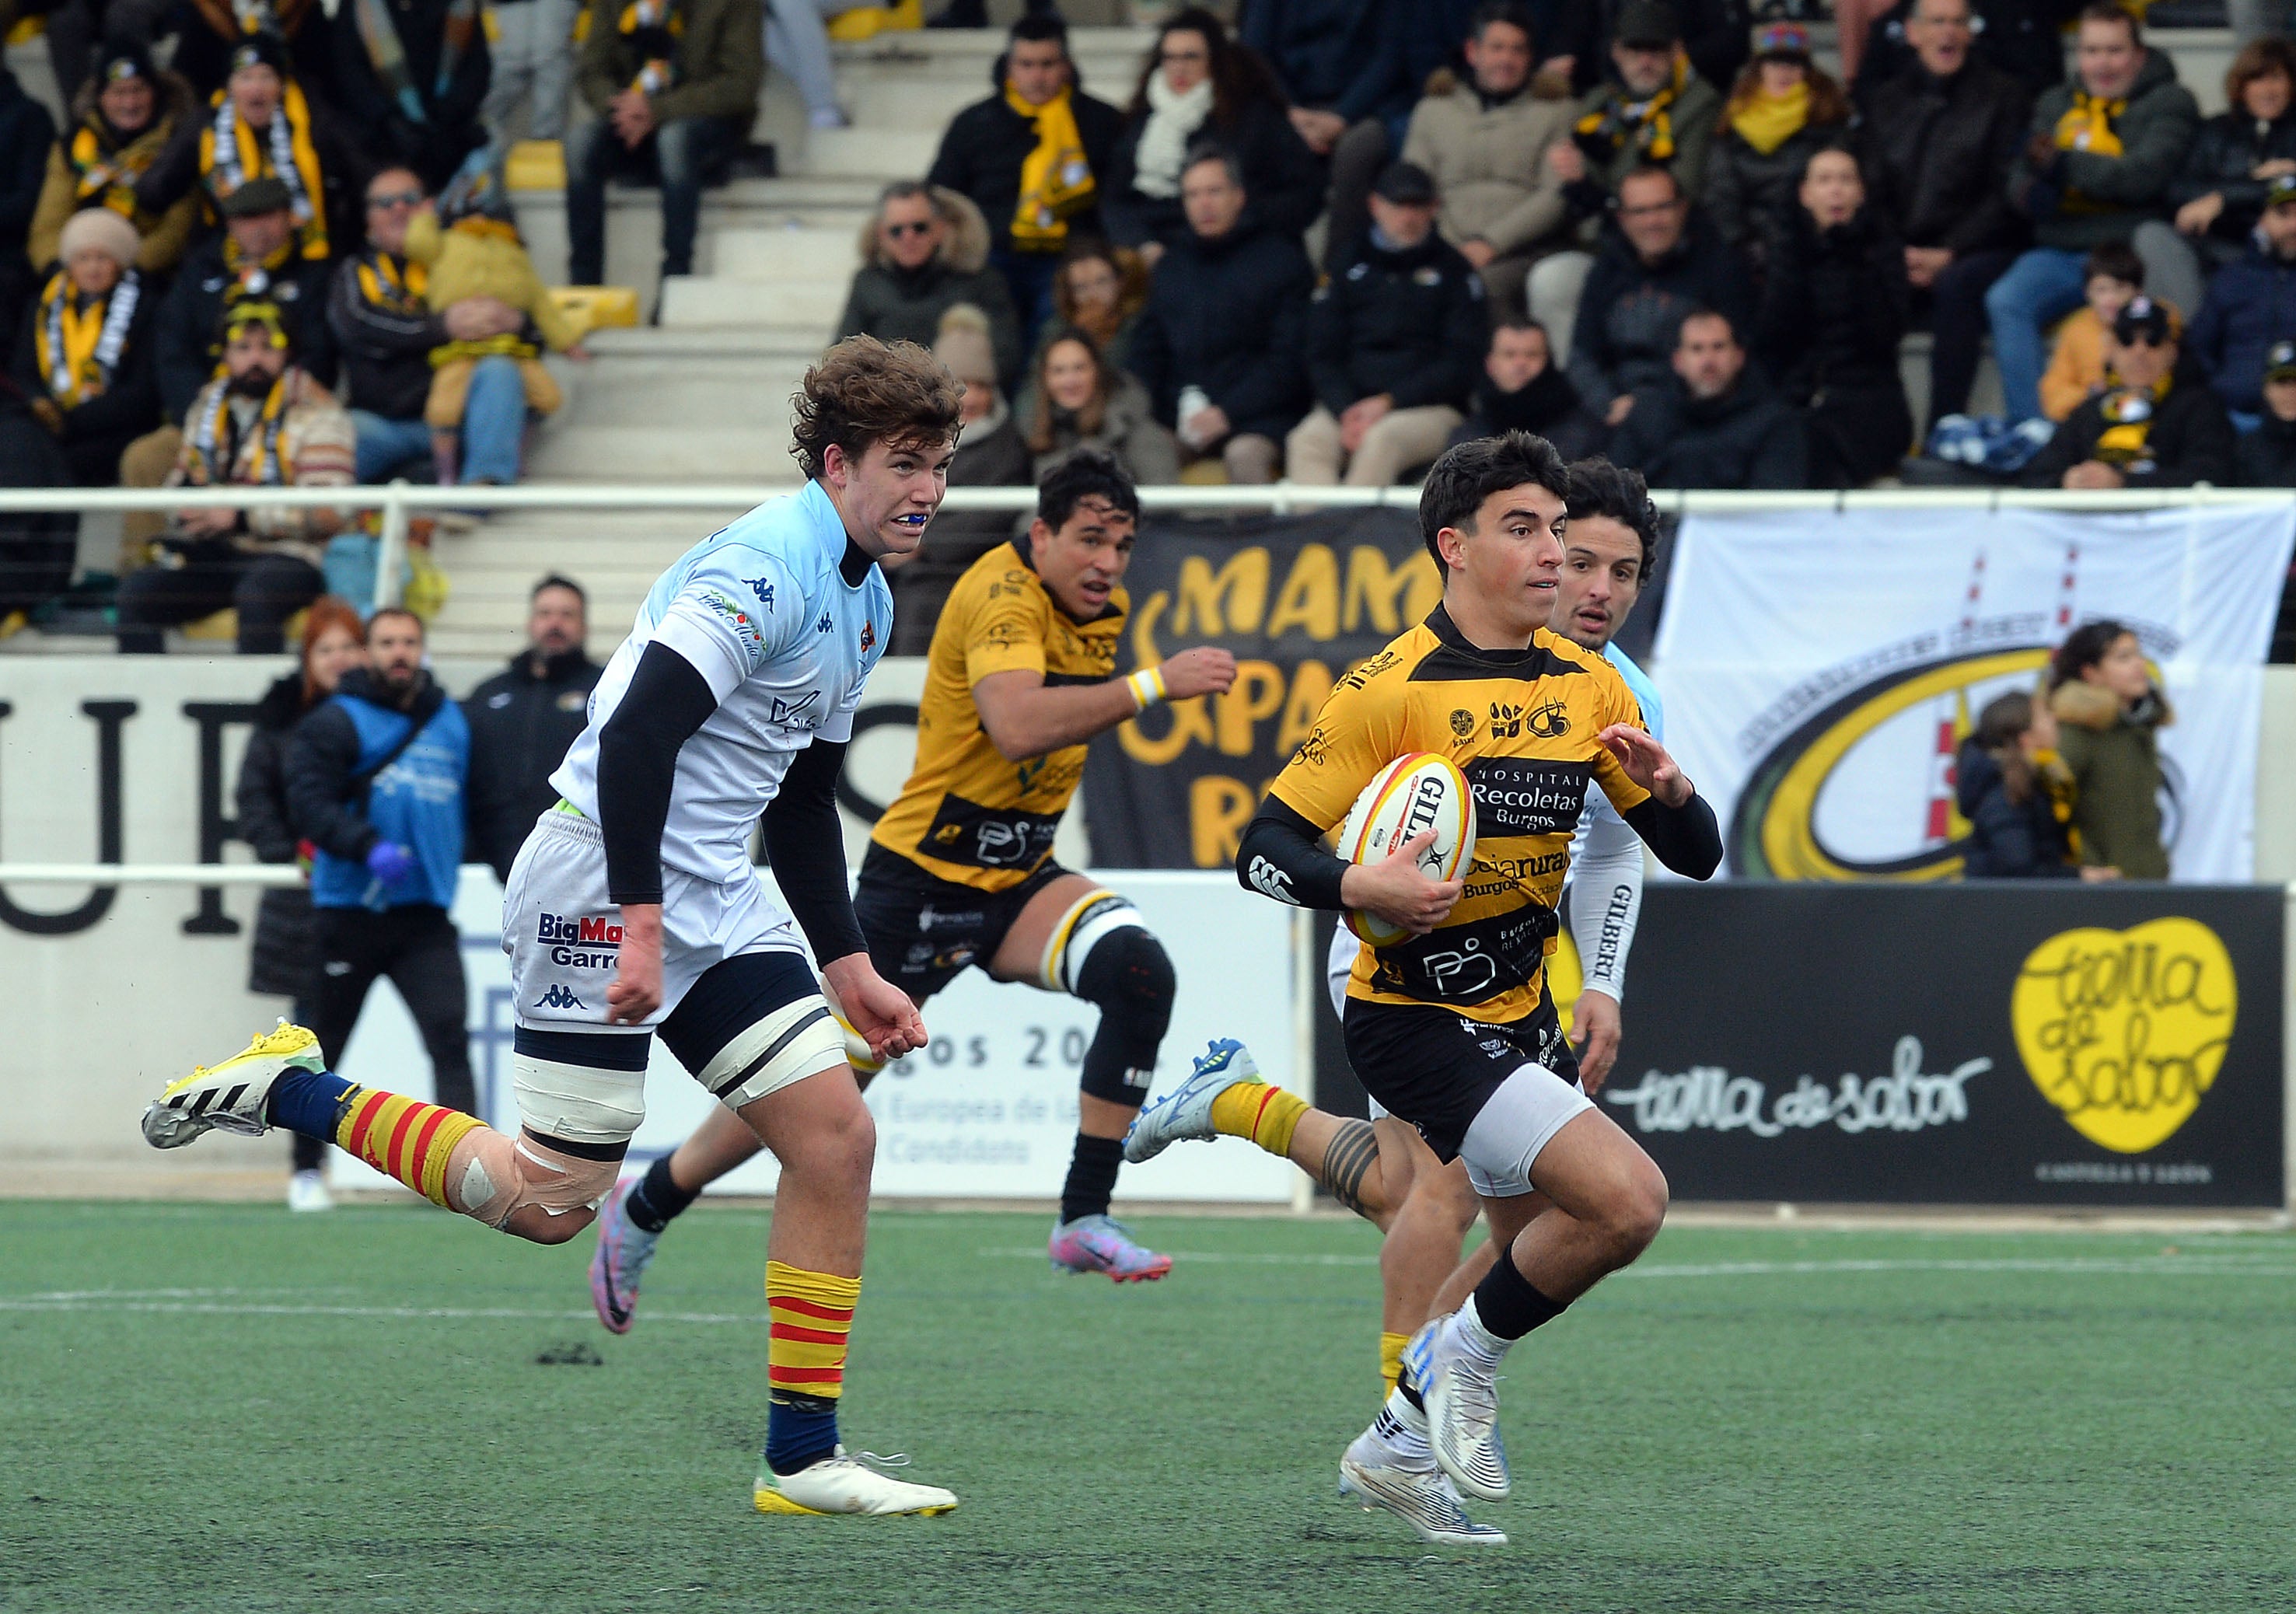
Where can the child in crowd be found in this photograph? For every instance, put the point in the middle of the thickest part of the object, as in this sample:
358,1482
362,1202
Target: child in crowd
2111,276
2016,794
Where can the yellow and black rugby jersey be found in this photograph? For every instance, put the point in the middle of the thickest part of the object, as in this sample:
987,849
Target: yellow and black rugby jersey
1520,725
967,814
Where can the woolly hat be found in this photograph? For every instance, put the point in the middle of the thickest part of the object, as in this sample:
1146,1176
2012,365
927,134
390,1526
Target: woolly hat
105,231
963,345
261,49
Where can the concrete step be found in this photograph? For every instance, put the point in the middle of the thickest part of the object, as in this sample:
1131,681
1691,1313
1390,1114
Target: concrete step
716,300
615,554
796,253
865,151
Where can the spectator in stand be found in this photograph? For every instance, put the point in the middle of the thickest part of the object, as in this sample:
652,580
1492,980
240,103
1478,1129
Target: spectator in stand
926,252
975,13
797,43
209,29
1523,390
1652,111
1393,338
283,961
1834,307
1100,291
530,60
263,423
1035,158
1713,34
2023,38
1484,140
1661,262
1218,346
25,134
410,76
84,356
1334,59
1076,399
260,126
38,548
2109,715
255,256
1940,138
2096,168
1713,423
2265,457
387,335
1781,111
2157,424
1199,84
2219,196
523,719
375,781
2250,306
122,119
673,80
2009,782
2111,277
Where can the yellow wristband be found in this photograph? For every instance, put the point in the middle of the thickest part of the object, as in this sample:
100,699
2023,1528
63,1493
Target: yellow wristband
1147,687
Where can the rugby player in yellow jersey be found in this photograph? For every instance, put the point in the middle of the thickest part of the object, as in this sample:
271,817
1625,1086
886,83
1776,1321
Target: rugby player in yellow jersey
1451,1029
959,872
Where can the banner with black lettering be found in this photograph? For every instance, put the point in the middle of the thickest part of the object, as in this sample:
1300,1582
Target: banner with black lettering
1297,600
1988,1044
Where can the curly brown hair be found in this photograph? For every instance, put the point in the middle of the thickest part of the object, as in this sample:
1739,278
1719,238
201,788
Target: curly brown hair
864,391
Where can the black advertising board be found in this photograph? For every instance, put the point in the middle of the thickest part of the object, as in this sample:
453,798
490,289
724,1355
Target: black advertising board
1993,1043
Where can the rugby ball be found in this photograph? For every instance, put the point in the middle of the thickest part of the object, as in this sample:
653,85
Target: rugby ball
1409,796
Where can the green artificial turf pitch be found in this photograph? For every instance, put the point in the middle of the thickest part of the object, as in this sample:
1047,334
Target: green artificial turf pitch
216,1407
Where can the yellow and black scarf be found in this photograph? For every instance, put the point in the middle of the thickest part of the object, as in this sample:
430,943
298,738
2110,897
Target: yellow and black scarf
654,29
1056,180
1646,124
80,339
392,285
2129,414
219,453
105,175
2092,124
231,154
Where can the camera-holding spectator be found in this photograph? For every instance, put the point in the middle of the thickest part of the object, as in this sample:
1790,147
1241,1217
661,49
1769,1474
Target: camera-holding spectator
1035,158
387,333
2017,795
1780,111
2265,457
1335,61
1392,342
1076,399
2111,277
2109,715
25,134
255,257
1941,136
263,423
410,76
530,61
1713,35
1661,262
2023,38
926,252
375,782
1218,346
1484,139
2250,305
1199,84
674,79
1100,291
1713,423
2220,195
122,119
1834,307
283,961
2097,165
523,719
1524,389
84,356
2157,424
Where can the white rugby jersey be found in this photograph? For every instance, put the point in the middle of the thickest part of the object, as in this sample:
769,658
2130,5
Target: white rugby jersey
761,610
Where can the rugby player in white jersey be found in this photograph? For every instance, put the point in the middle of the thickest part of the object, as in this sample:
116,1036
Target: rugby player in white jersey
634,908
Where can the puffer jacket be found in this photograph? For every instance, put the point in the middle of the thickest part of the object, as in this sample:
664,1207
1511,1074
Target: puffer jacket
1834,307
166,234
898,304
1746,438
1748,193
1629,311
1283,182
2189,440
1939,152
1408,322
281,962
2007,839
2085,200
2250,305
1228,314
2113,754
2227,150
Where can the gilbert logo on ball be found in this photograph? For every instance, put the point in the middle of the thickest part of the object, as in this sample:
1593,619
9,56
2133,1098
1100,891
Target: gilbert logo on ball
1409,797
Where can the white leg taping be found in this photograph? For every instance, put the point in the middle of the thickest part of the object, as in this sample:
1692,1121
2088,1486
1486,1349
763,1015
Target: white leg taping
1081,929
795,1041
503,1176
581,1103
1514,1124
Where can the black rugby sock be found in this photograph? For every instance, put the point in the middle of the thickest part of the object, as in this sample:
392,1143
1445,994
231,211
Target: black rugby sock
658,1197
1507,1305
1092,1178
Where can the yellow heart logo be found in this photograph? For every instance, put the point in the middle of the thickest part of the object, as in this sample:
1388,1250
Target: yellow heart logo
2124,1030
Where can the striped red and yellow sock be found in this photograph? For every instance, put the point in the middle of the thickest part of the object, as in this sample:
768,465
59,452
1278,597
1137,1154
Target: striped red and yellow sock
811,1316
1267,1116
404,1138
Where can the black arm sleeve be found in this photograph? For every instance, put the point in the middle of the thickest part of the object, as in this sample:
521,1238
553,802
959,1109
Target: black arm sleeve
322,761
667,699
805,846
1282,855
1686,839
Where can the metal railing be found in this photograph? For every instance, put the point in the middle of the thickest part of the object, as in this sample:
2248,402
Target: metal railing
397,502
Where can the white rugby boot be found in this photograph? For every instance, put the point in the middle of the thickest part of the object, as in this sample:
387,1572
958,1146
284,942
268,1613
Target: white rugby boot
1184,1114
847,1483
1461,1395
1422,1498
231,1096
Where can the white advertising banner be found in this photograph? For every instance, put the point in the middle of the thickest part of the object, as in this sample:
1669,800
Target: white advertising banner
1820,668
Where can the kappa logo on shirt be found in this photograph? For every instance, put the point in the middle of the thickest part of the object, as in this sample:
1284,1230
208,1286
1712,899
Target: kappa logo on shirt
763,589
823,626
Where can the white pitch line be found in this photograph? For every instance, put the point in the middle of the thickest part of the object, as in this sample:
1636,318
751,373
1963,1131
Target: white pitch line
2186,1265
223,1309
